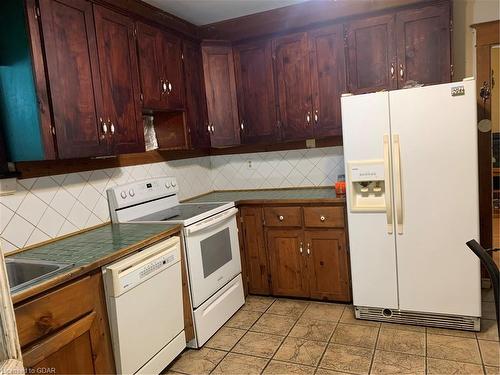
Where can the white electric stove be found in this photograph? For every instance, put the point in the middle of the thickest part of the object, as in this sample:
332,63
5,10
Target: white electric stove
210,242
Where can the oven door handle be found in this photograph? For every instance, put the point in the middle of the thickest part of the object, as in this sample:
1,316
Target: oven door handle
211,221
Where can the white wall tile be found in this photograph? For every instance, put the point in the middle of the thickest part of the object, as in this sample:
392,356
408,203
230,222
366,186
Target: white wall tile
49,207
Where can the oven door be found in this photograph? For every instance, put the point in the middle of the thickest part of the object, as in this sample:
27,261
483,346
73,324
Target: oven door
213,254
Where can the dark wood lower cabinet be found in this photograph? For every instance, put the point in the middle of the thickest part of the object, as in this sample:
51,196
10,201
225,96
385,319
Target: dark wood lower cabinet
66,329
283,258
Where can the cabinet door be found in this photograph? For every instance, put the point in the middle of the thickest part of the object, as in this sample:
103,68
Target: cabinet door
328,269
255,85
150,60
255,250
218,69
424,45
172,71
294,86
328,79
371,56
73,72
196,104
120,80
287,263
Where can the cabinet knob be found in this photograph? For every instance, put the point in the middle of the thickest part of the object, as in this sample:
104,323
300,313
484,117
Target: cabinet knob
308,249
169,87
212,128
401,71
281,217
392,71
308,118
112,128
322,218
301,248
316,116
104,127
242,126
163,86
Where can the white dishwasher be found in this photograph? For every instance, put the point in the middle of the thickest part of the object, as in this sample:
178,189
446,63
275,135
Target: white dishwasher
144,301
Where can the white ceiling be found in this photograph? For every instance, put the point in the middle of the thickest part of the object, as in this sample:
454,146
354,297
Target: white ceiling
202,12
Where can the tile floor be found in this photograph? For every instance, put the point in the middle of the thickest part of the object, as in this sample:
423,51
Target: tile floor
283,336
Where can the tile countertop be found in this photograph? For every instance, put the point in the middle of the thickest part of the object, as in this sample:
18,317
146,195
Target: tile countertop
90,250
299,195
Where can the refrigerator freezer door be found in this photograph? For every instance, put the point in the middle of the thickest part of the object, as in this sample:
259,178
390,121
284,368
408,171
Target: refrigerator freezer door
365,120
438,205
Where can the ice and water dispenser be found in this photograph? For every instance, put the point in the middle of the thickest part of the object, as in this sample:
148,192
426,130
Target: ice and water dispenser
367,185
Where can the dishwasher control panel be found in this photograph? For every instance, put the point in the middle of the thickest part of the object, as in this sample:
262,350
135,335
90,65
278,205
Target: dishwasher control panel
135,269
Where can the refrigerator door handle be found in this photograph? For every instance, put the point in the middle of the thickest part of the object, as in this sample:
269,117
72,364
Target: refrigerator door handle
388,185
397,182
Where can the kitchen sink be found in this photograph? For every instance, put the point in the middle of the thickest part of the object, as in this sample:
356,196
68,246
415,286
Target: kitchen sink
23,272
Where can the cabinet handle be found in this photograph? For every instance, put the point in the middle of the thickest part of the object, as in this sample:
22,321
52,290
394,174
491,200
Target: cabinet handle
308,118
104,126
308,249
392,71
322,218
212,128
281,217
170,87
208,128
301,248
163,86
316,116
401,71
242,126
112,128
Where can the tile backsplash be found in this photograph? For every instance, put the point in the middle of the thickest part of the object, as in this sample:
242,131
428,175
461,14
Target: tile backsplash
48,207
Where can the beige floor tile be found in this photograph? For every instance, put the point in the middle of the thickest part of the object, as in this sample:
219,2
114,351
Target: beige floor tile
488,310
225,338
397,363
258,344
311,329
350,359
451,332
324,311
324,371
408,342
240,364
284,368
444,367
355,335
453,348
243,319
490,370
402,327
257,303
274,324
349,318
487,295
490,351
304,352
288,307
489,330
200,361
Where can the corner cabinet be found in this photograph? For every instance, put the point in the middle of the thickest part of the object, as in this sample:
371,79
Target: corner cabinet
67,329
220,86
296,251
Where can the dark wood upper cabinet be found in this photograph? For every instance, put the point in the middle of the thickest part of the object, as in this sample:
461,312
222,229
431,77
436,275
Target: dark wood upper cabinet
218,69
196,104
328,79
256,97
294,86
371,58
172,71
423,45
150,65
119,80
74,78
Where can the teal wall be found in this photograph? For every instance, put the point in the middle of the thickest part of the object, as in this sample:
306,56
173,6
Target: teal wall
19,116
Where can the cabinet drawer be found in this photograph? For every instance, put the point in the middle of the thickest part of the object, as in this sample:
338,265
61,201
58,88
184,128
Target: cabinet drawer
324,217
53,310
283,216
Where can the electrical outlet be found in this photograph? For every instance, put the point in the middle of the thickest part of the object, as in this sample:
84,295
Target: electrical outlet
250,164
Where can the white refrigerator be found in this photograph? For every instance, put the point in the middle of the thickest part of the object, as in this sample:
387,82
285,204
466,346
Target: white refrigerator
412,197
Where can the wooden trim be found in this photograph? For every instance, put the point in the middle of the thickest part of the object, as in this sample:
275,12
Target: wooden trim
296,17
487,35
83,270
55,342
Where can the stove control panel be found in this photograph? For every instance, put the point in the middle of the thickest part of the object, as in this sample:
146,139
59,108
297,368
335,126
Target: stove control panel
141,191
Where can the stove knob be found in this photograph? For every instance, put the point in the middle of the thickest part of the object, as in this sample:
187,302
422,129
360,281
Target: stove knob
123,194
174,184
167,185
131,192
